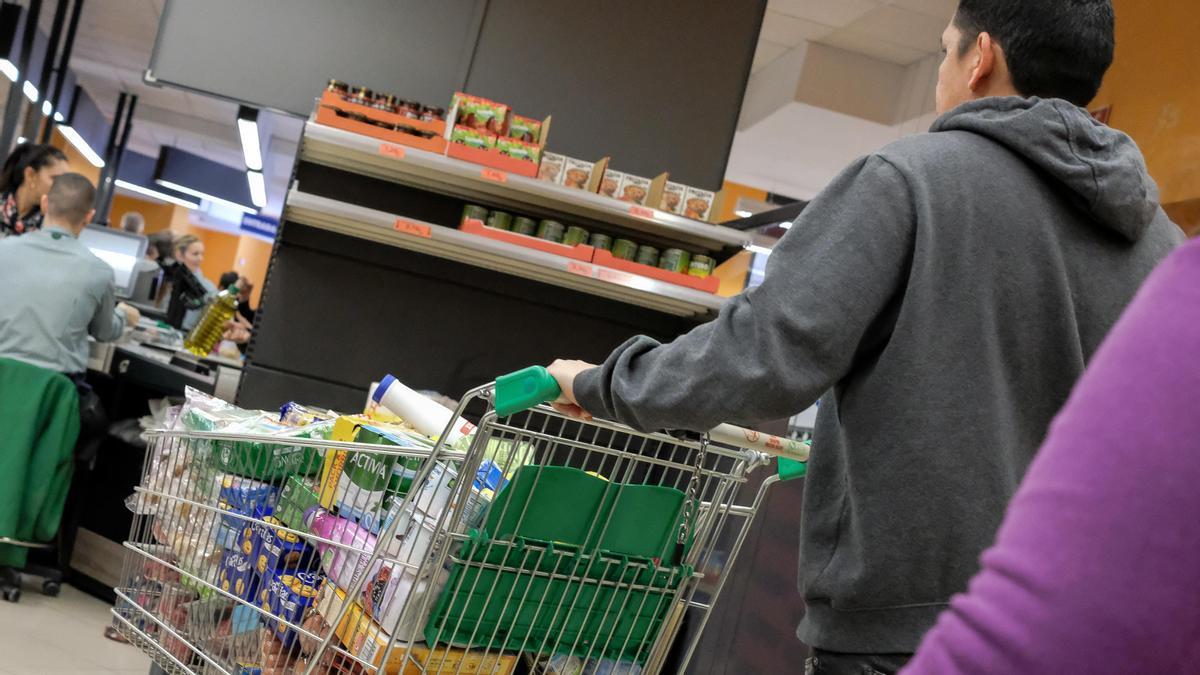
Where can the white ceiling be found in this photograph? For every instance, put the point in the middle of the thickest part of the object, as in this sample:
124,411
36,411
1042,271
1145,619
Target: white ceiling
112,52
898,31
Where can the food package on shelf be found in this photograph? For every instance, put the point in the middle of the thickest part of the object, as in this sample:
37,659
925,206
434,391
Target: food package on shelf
473,138
633,189
697,203
551,167
576,173
517,149
475,112
611,181
525,129
672,198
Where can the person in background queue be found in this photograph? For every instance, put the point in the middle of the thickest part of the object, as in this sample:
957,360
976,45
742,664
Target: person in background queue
26,177
245,288
56,292
161,246
189,250
943,294
238,329
133,223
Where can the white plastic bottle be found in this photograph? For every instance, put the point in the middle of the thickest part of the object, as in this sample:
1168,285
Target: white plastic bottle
426,416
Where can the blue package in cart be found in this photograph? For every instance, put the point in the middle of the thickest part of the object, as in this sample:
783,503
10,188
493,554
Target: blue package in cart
244,496
278,551
236,574
287,598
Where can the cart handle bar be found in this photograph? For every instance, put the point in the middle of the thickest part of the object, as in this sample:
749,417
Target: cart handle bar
535,385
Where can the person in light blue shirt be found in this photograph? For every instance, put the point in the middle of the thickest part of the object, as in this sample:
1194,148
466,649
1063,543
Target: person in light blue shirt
53,291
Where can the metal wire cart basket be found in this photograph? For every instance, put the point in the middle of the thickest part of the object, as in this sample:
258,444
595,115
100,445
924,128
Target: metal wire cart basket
540,543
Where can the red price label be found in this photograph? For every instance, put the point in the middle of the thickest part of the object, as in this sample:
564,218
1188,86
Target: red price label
389,150
494,175
415,229
614,276
641,212
579,268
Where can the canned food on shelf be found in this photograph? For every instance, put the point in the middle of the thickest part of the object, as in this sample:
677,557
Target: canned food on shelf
551,230
500,220
675,260
624,249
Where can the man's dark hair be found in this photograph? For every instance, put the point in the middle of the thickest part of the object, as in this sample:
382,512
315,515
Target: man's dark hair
163,243
70,198
227,279
1054,48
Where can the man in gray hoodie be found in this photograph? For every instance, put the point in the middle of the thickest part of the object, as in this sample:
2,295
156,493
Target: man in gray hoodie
943,294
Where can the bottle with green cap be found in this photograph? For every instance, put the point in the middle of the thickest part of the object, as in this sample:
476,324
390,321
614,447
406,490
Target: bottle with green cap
208,330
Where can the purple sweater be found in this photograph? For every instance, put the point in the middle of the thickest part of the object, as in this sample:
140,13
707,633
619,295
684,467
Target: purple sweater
1097,566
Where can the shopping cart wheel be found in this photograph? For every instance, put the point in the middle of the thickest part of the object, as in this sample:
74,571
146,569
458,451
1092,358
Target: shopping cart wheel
12,594
51,588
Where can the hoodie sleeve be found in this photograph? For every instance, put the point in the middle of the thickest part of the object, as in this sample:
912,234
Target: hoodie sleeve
773,350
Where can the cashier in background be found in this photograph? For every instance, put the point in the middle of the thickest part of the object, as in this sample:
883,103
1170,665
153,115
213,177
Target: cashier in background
189,250
133,223
55,291
28,172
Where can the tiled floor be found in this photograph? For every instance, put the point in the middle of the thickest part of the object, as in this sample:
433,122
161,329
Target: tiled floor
62,636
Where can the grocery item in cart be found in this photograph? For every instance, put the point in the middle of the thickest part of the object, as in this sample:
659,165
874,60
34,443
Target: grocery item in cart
424,415
237,575
288,597
278,551
341,565
297,496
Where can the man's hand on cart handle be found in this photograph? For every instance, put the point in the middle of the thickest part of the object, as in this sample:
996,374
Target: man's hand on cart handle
564,373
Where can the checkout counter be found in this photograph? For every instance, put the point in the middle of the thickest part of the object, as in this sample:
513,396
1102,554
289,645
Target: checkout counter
147,364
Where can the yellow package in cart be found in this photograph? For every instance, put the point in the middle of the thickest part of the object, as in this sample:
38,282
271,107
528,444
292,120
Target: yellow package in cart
366,639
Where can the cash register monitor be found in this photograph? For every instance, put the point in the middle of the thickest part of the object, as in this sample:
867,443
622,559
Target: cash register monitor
119,250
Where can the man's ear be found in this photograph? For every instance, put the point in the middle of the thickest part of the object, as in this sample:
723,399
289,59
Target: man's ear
91,217
985,61
45,203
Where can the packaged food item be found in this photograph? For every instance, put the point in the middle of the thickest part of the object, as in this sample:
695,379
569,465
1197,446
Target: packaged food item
675,260
342,566
297,496
611,181
278,551
575,235
672,198
551,230
602,241
701,266
474,212
551,167
576,173
367,478
511,147
473,138
625,249
293,414
288,596
697,203
526,226
479,113
338,87
367,639
647,255
500,220
236,574
633,189
525,129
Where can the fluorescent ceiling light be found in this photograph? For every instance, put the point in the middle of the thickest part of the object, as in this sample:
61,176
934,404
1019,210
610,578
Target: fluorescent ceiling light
787,224
31,91
762,250
21,139
205,196
58,117
742,213
9,69
258,188
251,150
47,108
155,194
81,145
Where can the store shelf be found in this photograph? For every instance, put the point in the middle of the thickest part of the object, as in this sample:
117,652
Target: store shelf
364,155
452,244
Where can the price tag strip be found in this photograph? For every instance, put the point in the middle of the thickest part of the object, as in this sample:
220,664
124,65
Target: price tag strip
415,229
390,150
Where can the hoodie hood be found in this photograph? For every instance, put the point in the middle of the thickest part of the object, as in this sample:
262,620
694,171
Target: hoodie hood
1101,166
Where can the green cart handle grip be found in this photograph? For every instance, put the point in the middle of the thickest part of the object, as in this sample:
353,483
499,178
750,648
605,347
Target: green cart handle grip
524,389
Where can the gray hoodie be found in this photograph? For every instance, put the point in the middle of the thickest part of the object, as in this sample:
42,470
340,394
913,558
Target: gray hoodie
944,294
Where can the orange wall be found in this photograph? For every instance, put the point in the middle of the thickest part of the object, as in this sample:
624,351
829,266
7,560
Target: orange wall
730,192
158,215
1154,90
77,161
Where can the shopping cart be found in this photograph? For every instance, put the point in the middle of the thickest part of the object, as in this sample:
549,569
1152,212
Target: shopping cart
541,543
